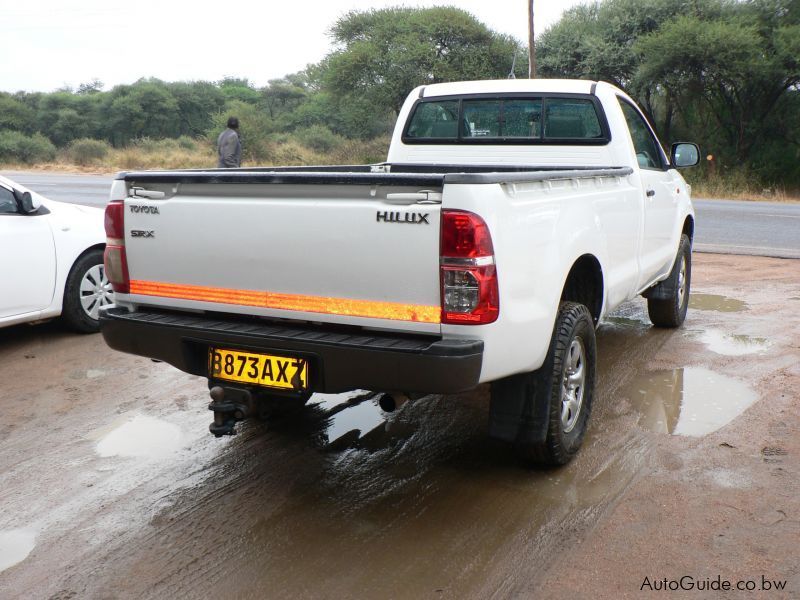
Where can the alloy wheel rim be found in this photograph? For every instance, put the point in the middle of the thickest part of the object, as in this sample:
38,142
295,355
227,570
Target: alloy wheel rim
682,282
95,291
573,384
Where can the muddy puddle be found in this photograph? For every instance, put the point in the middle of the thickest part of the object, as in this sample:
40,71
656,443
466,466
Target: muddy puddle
15,546
356,420
730,344
138,436
440,495
631,314
716,302
690,401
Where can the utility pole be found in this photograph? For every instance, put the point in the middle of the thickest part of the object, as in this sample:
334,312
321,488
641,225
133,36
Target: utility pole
531,45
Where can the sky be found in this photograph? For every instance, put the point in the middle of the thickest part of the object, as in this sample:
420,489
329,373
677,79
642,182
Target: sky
48,44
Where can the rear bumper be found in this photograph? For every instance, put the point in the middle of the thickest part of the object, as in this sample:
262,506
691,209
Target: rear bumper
338,361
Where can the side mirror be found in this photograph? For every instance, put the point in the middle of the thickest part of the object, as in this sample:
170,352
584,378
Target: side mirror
27,202
684,154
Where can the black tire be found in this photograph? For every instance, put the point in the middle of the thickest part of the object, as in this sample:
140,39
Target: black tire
73,313
545,388
671,312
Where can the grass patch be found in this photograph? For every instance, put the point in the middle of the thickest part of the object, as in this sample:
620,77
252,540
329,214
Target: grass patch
737,185
93,156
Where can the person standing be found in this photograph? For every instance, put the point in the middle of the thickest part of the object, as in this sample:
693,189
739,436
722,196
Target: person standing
229,147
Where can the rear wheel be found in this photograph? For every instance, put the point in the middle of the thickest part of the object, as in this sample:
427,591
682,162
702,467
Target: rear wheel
558,396
87,289
670,312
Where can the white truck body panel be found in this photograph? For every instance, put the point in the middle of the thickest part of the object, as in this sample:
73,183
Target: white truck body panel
315,241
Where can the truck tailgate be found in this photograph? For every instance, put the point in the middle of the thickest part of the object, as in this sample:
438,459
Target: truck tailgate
359,253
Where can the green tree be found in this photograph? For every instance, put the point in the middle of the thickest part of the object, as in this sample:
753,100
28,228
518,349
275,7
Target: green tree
197,102
235,88
15,114
90,87
384,54
283,95
739,66
144,109
69,125
722,72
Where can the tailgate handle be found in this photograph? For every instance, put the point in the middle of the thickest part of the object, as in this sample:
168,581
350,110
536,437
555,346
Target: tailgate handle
143,193
421,197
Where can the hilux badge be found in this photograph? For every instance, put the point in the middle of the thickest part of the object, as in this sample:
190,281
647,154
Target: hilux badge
413,218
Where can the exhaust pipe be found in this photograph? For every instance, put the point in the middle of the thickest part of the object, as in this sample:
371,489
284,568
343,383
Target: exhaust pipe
392,402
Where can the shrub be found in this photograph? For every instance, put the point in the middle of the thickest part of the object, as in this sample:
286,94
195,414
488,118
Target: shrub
255,131
187,143
361,152
87,151
319,138
16,147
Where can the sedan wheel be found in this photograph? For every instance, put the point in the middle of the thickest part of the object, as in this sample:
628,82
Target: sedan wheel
95,291
86,291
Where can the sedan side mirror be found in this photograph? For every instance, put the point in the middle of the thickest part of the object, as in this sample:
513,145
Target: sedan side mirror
684,154
27,202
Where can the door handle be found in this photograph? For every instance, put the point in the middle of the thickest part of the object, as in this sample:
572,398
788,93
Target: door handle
651,193
422,197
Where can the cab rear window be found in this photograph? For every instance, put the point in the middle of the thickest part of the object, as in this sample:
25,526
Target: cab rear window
566,120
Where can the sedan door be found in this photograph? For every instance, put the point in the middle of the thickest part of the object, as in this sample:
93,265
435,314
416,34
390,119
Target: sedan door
27,259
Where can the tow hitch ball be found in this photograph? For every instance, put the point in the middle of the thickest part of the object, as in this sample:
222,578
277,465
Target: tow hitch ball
230,405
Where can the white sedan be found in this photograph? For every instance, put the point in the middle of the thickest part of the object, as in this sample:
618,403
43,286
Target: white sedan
51,260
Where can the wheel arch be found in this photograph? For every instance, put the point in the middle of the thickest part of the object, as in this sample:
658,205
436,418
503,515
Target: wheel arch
688,227
98,246
585,284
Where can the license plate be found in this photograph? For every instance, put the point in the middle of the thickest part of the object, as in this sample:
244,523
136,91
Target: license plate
280,372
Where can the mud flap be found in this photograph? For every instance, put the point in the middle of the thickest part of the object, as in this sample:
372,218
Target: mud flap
666,289
663,290
515,415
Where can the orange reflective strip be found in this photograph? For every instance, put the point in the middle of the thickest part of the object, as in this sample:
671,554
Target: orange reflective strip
315,304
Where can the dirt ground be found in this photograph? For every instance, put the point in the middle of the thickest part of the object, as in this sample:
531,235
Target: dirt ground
111,486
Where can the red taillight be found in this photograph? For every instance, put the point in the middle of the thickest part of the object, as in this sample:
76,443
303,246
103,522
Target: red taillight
114,258
465,235
115,220
470,293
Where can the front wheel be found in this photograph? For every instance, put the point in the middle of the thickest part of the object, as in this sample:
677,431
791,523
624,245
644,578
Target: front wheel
670,311
87,289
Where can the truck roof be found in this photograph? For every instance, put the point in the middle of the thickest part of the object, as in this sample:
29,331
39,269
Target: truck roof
501,86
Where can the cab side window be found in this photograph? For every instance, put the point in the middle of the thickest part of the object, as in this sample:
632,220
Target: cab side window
8,204
646,146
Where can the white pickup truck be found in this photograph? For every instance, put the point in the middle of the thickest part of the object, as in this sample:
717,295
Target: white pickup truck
509,218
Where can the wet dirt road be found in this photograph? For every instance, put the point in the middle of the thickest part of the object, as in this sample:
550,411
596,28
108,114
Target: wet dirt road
111,486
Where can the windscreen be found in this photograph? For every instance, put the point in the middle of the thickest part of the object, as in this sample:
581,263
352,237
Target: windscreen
506,120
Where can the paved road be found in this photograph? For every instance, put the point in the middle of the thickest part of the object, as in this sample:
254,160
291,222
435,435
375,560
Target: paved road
738,227
77,189
727,226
